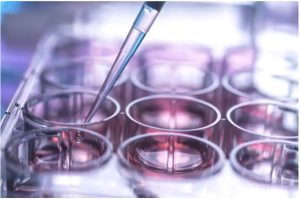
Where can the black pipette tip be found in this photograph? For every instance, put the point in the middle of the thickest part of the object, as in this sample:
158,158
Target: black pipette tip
157,5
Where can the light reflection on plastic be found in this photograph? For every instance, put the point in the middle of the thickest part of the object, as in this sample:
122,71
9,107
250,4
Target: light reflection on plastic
278,41
179,159
67,180
180,120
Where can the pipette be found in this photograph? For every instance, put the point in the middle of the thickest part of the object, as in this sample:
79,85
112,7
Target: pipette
139,29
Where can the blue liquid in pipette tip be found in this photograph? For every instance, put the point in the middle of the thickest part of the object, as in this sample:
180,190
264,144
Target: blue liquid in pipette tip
141,26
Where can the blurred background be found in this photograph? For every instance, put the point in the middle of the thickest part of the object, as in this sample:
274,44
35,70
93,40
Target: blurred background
272,26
